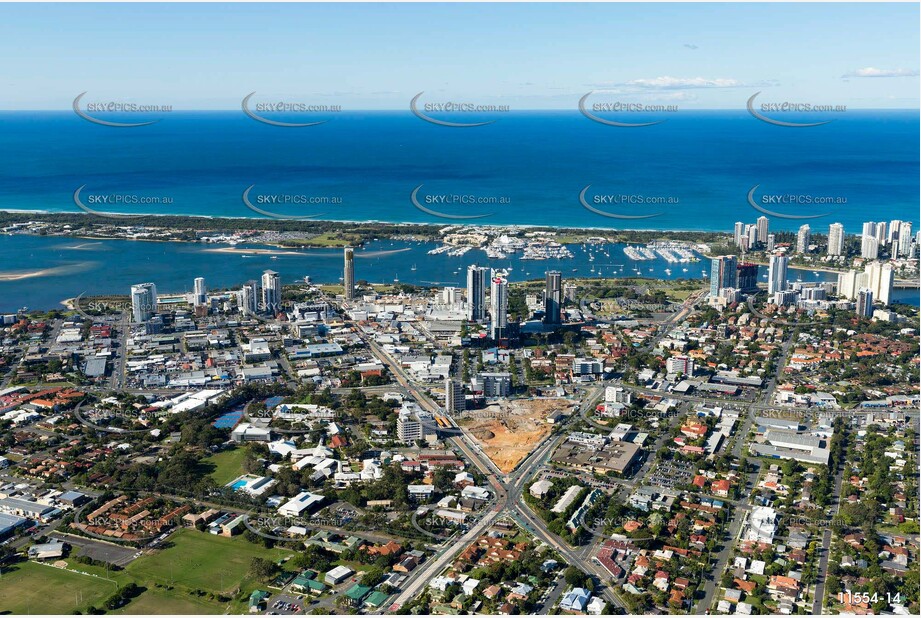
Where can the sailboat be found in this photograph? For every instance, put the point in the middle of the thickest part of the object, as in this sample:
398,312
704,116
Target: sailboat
413,268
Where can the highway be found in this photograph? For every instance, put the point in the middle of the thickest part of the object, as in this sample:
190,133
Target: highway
507,488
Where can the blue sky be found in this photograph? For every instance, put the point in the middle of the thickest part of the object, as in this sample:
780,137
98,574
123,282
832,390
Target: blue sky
543,56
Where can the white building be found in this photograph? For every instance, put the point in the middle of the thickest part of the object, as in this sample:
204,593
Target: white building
304,501
143,302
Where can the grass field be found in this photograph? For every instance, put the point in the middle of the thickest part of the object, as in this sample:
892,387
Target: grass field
227,465
30,588
196,561
202,561
159,601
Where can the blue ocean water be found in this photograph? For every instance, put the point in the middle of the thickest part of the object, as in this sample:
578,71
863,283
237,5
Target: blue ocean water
534,163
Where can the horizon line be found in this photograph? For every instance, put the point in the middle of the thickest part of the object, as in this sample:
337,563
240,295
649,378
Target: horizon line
510,111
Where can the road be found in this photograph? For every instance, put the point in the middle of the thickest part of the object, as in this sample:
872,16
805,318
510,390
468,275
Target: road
507,488
734,529
825,548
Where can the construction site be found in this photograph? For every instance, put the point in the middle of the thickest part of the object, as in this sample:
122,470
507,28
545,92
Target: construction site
508,430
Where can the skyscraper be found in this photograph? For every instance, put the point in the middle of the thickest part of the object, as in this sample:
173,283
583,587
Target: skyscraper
869,247
449,296
200,293
777,273
737,233
498,307
894,229
835,239
249,298
454,397
879,280
553,297
905,239
802,239
476,292
770,242
348,274
747,277
751,232
762,226
723,274
143,301
865,302
881,235
271,292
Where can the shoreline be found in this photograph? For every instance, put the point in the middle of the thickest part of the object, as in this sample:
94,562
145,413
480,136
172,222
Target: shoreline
95,220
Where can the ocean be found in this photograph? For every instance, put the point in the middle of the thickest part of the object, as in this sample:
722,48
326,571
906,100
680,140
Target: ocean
693,171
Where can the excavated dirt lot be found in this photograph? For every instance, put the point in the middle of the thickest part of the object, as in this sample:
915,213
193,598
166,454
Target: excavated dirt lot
507,431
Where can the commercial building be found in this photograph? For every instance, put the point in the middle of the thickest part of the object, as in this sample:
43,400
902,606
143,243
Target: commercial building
616,456
777,273
869,247
143,302
553,297
877,277
790,444
337,575
26,508
835,239
348,274
723,274
498,384
747,276
680,364
200,293
905,239
455,400
409,428
476,292
865,302
498,307
248,299
802,238
9,524
762,229
271,292
304,501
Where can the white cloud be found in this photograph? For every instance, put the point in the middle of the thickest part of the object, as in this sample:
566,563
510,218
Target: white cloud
683,83
874,72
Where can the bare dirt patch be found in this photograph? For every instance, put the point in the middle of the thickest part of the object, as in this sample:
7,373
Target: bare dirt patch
507,431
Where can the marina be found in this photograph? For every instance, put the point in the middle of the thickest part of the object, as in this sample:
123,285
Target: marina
48,270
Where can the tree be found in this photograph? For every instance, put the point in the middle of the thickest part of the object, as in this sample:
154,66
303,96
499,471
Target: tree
372,577
263,569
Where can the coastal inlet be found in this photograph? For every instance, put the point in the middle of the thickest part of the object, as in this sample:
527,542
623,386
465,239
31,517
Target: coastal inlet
40,272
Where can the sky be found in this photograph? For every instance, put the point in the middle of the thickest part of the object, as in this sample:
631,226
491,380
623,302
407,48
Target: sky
538,56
